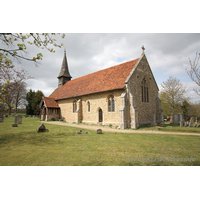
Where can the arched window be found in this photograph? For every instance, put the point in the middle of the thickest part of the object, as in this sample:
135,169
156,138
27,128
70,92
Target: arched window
88,106
74,106
111,104
145,91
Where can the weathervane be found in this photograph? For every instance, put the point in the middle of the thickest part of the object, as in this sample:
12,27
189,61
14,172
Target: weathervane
143,48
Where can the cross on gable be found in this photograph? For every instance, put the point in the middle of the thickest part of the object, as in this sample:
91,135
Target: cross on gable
143,48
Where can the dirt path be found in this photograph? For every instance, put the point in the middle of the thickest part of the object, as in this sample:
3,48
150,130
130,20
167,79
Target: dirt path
107,129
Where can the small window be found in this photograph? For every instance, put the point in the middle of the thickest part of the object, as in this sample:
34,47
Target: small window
88,106
145,91
74,106
111,104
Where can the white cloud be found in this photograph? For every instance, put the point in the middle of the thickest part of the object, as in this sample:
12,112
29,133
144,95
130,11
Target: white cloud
86,53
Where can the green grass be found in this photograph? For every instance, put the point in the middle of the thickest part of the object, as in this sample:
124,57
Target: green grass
171,128
23,146
18,114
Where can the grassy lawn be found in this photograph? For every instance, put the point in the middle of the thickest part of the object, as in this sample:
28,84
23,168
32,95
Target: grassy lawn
23,146
171,128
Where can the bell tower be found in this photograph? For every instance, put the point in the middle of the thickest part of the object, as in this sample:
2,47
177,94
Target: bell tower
64,75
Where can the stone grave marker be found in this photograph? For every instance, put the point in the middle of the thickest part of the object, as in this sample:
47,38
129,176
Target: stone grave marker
99,131
177,118
42,129
81,132
181,123
14,125
191,122
18,119
1,118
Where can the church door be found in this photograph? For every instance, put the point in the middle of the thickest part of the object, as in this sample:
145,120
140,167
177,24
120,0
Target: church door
100,115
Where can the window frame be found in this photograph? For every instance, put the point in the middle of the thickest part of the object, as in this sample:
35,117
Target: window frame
111,103
145,90
74,106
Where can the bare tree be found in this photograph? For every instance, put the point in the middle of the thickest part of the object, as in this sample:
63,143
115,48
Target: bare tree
172,95
16,89
194,71
14,46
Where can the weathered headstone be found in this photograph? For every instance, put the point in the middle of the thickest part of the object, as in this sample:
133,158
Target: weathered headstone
1,118
181,123
99,131
18,119
195,124
186,123
198,125
177,118
191,122
42,128
81,132
14,125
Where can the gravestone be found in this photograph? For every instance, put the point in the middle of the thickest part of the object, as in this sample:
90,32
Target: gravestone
99,131
42,128
191,122
177,118
14,125
18,119
181,124
198,125
186,123
81,132
1,118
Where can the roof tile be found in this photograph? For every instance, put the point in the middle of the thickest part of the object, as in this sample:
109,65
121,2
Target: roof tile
50,102
104,80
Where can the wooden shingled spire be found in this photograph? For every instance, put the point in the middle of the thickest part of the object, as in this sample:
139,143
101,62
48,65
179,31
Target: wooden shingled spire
64,75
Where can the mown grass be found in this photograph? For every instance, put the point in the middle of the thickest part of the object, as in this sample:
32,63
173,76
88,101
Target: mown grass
171,128
23,146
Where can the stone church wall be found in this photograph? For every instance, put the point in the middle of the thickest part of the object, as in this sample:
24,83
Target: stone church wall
97,101
145,111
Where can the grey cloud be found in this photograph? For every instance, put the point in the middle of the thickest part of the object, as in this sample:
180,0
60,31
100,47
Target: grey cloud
87,53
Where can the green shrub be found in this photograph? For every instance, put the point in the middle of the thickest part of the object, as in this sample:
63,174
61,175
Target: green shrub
53,119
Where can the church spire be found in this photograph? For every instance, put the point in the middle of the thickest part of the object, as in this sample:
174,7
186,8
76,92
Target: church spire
64,75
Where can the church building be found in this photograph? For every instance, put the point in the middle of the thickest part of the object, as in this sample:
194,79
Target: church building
125,95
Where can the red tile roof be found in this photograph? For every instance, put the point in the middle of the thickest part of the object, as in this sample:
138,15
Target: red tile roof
50,102
104,80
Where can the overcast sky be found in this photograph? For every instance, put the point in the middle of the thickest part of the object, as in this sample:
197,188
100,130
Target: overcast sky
167,55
